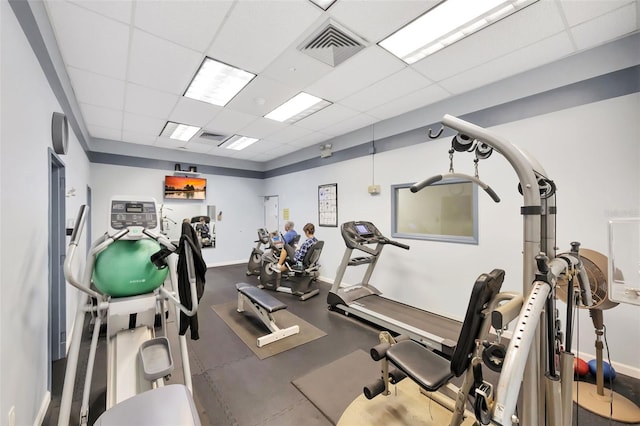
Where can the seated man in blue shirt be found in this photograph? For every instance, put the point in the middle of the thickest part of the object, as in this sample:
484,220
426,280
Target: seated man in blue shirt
296,255
289,233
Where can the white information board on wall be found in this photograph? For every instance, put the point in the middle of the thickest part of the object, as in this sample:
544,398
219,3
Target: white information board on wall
624,260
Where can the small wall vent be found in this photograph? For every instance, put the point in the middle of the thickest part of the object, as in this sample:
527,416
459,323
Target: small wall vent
332,44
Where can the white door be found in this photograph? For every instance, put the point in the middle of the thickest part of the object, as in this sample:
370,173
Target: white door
271,216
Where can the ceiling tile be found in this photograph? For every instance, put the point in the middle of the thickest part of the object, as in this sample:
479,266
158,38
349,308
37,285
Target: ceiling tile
326,116
262,128
363,69
579,11
99,116
139,138
160,64
95,89
188,23
310,139
229,121
521,60
354,123
261,96
165,142
104,132
375,20
118,10
142,124
395,86
607,27
289,134
150,102
505,36
90,41
255,156
262,145
410,102
263,28
200,147
296,69
194,113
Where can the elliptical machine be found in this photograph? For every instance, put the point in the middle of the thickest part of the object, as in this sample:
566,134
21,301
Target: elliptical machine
255,260
297,279
132,291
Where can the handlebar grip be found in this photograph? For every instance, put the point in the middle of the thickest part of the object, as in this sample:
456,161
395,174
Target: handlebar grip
430,181
404,246
77,227
492,194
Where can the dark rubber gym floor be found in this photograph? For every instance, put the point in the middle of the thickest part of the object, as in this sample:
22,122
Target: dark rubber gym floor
233,387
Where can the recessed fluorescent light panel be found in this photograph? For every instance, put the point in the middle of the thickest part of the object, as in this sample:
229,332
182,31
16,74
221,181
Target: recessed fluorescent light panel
179,131
237,142
323,4
300,106
217,83
448,22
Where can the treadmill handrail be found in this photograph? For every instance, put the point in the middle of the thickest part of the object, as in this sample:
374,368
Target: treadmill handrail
385,240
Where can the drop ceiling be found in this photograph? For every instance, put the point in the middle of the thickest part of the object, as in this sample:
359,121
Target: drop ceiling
130,62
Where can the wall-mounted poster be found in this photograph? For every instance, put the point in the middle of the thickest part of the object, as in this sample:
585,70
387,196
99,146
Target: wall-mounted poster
328,205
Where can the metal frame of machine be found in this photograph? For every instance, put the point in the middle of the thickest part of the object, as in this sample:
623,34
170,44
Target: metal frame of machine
137,360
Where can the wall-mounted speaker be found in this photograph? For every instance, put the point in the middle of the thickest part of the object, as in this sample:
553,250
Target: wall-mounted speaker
59,133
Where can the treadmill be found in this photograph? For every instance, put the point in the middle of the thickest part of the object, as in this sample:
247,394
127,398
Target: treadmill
366,302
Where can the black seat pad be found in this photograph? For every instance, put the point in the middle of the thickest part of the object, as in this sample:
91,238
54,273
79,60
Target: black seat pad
261,297
423,366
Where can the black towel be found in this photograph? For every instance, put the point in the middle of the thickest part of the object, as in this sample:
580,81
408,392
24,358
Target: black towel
200,269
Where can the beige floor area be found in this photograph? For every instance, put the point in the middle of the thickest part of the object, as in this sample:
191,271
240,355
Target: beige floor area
404,406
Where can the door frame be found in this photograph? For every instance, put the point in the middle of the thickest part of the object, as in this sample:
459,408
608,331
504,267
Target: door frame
57,342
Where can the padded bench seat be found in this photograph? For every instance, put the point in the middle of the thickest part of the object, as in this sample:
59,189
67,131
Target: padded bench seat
264,299
425,367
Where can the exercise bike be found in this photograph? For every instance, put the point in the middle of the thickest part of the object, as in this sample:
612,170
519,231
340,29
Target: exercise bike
255,260
128,287
297,278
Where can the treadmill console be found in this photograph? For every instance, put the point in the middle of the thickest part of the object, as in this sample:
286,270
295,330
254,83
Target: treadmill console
360,232
135,214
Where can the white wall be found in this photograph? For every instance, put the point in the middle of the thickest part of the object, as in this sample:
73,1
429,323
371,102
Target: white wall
25,136
239,199
591,152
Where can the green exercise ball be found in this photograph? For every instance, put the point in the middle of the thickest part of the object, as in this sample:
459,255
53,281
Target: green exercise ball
125,268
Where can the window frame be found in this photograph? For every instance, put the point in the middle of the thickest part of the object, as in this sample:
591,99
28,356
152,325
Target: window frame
470,239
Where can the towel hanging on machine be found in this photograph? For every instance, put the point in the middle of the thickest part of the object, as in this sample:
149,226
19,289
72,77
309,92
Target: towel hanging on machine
200,268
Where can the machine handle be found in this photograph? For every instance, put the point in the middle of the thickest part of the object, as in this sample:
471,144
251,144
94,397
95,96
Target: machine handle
395,243
427,182
71,252
430,181
77,228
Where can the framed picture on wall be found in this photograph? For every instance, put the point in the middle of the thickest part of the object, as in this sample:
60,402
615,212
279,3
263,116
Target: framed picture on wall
328,205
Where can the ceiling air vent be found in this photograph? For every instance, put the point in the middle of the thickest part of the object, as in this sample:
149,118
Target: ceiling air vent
332,44
213,137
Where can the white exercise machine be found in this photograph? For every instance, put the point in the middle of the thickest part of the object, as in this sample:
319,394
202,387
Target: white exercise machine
535,365
131,294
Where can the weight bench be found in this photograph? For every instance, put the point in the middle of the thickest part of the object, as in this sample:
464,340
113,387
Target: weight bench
264,305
